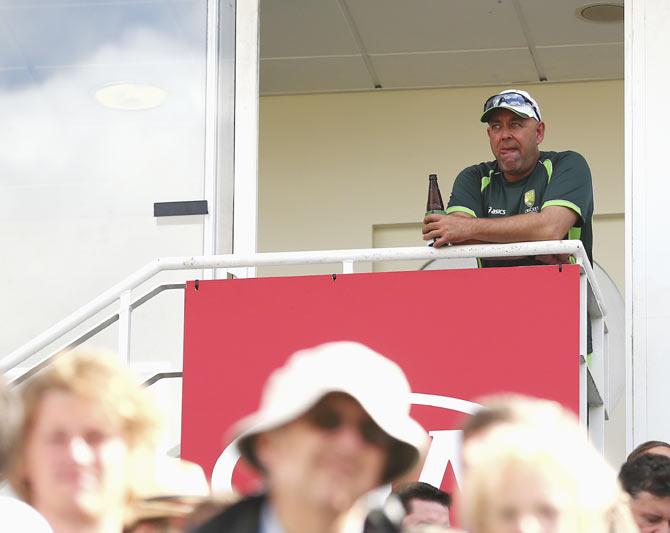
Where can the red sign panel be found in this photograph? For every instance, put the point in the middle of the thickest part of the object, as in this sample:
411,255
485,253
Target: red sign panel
457,334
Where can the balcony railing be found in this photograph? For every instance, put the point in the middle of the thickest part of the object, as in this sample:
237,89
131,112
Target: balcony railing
593,373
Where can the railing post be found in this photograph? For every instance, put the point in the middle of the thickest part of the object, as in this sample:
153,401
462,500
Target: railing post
583,356
125,301
591,371
347,267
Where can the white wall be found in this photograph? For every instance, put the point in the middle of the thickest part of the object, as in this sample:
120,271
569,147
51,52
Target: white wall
647,282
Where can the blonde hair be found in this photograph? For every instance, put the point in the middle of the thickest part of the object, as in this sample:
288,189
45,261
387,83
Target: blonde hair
511,409
550,446
95,377
10,416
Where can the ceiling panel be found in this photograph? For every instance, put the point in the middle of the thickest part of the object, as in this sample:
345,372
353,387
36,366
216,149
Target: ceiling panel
457,68
555,23
282,76
568,63
388,26
301,28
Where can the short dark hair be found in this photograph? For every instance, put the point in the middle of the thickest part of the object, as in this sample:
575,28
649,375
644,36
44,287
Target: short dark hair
645,447
647,473
421,491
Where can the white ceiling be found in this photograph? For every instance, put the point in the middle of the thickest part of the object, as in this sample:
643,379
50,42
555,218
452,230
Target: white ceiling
350,45
306,46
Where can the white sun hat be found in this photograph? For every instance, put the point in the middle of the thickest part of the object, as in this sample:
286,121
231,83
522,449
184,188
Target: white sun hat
375,382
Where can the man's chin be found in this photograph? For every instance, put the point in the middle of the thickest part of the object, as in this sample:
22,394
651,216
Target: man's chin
337,497
340,501
508,166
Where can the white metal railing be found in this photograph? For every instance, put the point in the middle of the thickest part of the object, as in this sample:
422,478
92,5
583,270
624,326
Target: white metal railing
593,375
122,291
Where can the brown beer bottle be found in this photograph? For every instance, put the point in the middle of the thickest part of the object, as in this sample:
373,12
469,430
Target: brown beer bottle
435,205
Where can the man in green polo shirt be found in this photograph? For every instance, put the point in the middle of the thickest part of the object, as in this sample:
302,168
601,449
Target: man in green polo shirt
524,195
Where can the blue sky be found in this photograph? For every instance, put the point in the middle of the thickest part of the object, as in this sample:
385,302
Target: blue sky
39,37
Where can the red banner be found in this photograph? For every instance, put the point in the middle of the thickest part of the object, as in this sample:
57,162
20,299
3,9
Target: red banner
457,334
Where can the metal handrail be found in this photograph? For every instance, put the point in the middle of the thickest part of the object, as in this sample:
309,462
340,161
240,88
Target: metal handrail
346,257
161,376
94,330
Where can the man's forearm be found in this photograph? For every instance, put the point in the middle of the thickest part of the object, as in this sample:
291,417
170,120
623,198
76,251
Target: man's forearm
516,228
551,223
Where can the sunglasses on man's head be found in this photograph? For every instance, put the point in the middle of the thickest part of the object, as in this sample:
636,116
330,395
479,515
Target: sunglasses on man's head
512,99
330,420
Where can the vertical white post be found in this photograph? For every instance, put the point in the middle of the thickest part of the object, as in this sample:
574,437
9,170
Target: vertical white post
219,131
583,363
596,366
606,370
210,222
597,363
124,326
583,393
347,267
246,130
635,115
597,426
647,252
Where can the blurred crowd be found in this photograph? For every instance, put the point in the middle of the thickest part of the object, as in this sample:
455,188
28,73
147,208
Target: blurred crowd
78,448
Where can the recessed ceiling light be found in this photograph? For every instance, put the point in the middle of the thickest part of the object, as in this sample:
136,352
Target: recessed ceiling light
601,12
130,96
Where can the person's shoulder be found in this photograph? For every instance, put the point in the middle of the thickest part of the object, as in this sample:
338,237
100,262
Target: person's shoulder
479,170
241,517
566,156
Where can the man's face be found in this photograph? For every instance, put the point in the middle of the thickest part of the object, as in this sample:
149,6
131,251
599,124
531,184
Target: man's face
328,457
426,512
515,142
75,463
651,513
